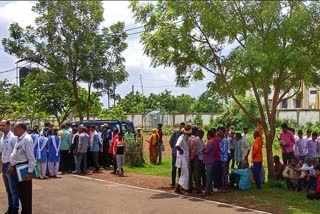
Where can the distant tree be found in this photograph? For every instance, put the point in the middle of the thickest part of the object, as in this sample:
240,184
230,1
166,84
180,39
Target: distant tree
69,42
133,102
208,102
5,104
115,113
183,103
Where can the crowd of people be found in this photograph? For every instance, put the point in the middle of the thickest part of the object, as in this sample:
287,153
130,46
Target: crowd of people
301,161
51,151
223,162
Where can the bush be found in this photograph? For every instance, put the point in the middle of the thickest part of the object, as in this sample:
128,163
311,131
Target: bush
233,115
291,123
134,154
197,120
167,132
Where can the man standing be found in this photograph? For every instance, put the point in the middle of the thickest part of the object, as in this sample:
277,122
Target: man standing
74,147
245,132
194,177
82,150
286,141
23,153
129,137
160,143
257,156
183,159
300,150
242,149
106,140
173,141
65,165
7,144
224,156
95,148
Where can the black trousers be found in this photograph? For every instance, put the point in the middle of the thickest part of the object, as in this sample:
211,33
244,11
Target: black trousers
174,170
65,161
106,156
287,157
231,158
25,196
95,160
217,177
203,176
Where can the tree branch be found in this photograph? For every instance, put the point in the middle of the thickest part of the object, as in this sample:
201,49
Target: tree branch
223,74
288,90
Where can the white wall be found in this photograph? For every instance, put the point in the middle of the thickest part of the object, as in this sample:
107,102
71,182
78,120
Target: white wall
301,116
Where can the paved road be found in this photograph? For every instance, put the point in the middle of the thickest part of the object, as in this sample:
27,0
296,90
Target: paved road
73,194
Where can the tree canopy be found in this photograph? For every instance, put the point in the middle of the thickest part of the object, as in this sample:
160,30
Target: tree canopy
134,102
69,42
263,47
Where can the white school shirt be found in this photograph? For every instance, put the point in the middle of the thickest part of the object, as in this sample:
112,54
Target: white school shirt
23,152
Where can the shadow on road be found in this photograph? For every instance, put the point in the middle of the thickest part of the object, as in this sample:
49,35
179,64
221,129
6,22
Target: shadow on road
243,210
164,196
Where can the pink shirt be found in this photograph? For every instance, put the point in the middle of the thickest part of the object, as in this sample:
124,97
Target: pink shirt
193,146
288,138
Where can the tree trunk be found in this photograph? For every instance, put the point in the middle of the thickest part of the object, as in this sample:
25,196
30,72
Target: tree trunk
108,95
88,102
269,152
77,99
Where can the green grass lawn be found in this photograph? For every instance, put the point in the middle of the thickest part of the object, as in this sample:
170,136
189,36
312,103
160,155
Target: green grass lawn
273,197
163,169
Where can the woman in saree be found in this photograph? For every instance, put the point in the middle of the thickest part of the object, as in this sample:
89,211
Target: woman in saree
153,146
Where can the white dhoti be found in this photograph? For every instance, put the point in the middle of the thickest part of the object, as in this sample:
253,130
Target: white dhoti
183,163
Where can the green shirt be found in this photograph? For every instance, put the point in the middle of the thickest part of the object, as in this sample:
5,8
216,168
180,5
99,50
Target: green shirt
65,140
128,137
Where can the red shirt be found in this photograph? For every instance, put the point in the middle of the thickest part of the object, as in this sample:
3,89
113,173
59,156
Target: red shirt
318,185
112,144
216,142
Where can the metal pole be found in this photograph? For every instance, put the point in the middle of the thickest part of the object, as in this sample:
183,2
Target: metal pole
17,74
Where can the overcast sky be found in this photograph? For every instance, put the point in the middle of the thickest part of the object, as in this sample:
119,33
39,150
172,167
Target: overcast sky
155,80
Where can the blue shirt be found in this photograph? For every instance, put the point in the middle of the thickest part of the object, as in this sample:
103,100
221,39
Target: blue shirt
96,142
245,177
173,141
224,156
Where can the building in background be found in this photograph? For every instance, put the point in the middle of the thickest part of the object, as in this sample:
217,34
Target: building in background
306,98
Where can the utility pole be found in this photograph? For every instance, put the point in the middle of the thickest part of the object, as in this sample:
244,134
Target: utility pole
132,89
141,85
144,107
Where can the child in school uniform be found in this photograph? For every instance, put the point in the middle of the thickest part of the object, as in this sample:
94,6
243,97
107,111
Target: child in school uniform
41,155
54,153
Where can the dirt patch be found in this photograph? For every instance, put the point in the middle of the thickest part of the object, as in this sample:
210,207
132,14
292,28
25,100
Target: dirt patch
234,197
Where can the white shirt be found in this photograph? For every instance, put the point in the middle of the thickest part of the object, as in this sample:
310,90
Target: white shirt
6,146
23,152
306,137
182,143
